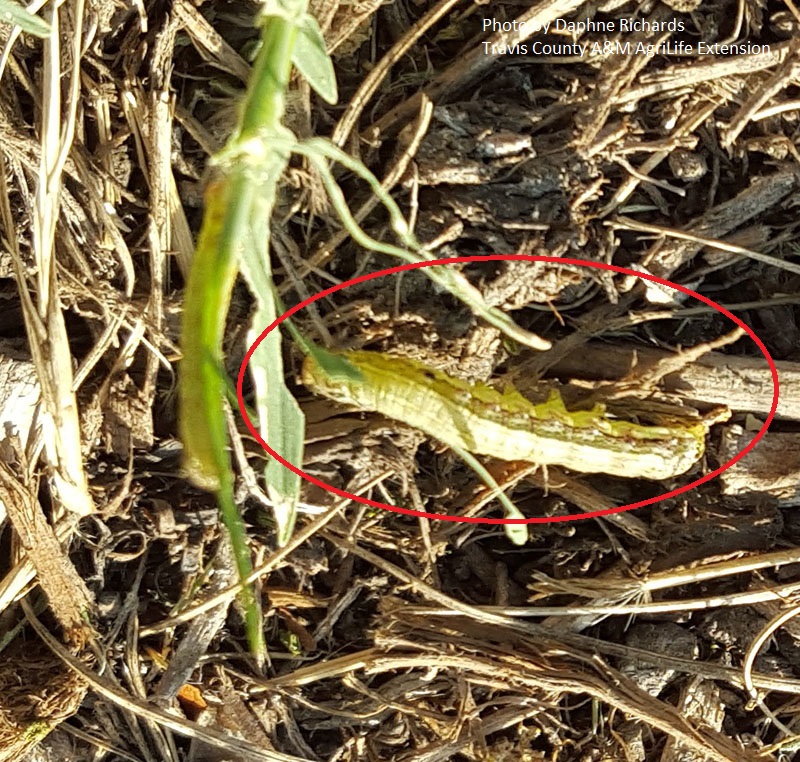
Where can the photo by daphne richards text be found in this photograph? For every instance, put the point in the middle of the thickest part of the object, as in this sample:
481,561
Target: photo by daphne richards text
607,47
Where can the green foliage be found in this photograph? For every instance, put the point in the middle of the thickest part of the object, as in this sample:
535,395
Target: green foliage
235,237
517,533
312,60
18,15
281,421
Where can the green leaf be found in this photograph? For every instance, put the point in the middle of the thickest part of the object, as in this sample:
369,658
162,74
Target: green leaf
318,150
333,365
312,60
18,15
281,421
517,533
236,228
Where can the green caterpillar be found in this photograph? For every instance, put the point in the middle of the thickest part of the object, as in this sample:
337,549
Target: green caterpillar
505,425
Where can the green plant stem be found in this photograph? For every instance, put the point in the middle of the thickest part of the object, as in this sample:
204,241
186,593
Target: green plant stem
249,170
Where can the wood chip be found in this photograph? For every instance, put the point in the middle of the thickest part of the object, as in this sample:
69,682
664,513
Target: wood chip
771,468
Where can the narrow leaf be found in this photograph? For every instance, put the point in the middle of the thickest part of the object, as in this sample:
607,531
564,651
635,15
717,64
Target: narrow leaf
333,365
517,533
312,60
16,14
281,422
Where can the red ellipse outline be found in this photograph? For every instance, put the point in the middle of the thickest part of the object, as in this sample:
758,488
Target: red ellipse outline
489,258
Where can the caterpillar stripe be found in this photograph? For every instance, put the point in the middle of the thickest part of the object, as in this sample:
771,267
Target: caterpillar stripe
505,425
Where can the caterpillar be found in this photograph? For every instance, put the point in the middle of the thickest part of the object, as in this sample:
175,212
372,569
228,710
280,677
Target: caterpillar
505,425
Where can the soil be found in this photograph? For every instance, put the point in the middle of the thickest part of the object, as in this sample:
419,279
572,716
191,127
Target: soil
662,633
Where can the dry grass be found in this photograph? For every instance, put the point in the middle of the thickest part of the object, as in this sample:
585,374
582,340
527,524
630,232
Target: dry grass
391,638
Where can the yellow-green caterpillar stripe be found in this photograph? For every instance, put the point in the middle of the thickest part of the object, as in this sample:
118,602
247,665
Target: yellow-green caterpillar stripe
505,425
